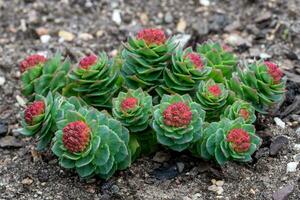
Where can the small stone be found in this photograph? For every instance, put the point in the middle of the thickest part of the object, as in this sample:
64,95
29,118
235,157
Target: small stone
116,17
236,40
264,16
21,101
181,25
161,157
220,190
144,18
197,196
297,147
277,144
283,193
201,27
262,152
292,167
3,128
264,56
204,2
100,33
213,181
180,166
41,31
10,141
45,38
27,181
2,80
279,122
213,188
296,157
220,183
168,18
182,39
114,189
66,36
85,36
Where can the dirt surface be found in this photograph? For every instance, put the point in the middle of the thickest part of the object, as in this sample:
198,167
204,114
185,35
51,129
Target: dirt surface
255,29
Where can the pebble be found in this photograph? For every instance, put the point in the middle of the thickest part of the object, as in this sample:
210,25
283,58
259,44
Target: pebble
41,31
45,38
296,157
85,36
10,141
182,39
114,189
283,193
116,17
292,166
144,18
297,147
161,157
220,183
66,36
3,128
180,166
201,27
279,122
168,18
21,101
204,2
181,25
277,144
236,40
2,80
27,181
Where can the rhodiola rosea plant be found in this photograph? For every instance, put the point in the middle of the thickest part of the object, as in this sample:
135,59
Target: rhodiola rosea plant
101,114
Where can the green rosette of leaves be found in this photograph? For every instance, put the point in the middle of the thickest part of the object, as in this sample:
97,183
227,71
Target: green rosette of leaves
178,121
212,97
39,75
227,140
37,119
145,57
133,109
240,109
187,69
91,142
222,61
95,81
261,83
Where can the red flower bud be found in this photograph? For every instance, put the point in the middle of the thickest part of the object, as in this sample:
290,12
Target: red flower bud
31,61
274,71
239,139
76,136
88,61
196,60
215,90
177,115
244,113
35,109
128,103
152,36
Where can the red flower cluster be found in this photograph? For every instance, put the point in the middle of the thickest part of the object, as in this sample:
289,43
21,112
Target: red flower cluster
274,71
177,115
244,113
32,61
196,60
152,36
128,103
239,139
76,136
35,109
87,61
215,90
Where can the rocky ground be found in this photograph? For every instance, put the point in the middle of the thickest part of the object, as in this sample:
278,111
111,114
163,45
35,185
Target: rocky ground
267,29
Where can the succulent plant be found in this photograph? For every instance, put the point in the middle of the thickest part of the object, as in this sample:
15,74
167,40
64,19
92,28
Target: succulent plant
222,61
95,81
227,140
241,109
145,58
31,69
91,142
178,121
39,75
260,83
37,119
212,97
133,109
187,69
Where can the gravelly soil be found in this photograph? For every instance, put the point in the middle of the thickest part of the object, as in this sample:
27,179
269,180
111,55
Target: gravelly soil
255,29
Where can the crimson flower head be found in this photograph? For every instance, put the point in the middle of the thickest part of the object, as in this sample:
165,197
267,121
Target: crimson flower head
177,115
239,139
35,109
128,103
244,113
195,59
32,61
88,61
76,136
274,71
215,90
152,36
